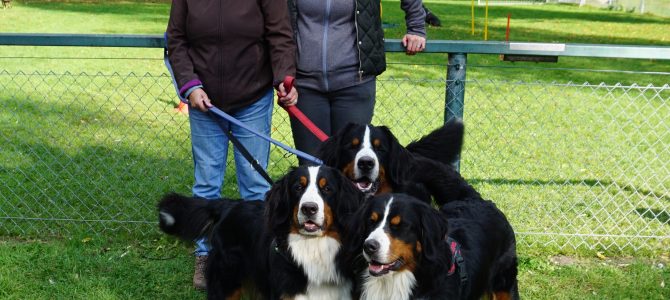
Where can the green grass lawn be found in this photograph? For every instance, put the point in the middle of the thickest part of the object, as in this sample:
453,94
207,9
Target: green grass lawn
577,159
80,267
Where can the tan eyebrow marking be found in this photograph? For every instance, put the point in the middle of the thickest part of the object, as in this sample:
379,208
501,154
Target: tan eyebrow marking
303,180
355,142
395,220
375,216
322,182
376,142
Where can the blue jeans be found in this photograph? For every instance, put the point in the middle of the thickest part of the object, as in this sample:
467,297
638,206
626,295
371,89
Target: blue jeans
210,151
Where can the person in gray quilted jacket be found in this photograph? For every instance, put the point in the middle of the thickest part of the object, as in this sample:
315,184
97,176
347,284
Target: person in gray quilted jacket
340,51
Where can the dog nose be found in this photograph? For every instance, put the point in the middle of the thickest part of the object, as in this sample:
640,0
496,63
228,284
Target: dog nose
309,208
370,246
366,163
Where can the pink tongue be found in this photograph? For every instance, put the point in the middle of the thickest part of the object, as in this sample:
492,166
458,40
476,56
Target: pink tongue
309,226
377,268
363,185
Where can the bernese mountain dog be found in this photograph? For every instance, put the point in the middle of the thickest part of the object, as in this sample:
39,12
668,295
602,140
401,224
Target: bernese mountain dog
287,247
372,158
410,250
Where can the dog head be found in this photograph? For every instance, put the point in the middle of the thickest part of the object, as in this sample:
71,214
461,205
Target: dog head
311,201
368,155
399,233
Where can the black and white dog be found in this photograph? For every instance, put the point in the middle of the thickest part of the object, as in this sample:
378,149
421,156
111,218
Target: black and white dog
288,247
413,251
372,158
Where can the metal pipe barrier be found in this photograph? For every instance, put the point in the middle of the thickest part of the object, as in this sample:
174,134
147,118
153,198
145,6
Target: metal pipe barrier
573,165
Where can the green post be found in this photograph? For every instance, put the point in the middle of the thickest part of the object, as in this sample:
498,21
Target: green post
455,93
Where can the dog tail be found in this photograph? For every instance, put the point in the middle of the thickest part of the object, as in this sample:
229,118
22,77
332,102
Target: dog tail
190,218
443,144
431,18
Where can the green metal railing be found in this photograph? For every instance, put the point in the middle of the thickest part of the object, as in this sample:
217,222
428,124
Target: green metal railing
571,164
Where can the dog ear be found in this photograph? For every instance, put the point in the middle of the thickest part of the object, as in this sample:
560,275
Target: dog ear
402,159
434,228
348,198
277,205
355,228
329,151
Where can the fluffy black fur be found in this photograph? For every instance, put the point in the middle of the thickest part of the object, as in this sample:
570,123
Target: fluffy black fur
431,18
487,245
422,169
443,144
250,238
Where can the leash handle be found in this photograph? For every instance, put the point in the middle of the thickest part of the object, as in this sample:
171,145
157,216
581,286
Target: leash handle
295,112
288,83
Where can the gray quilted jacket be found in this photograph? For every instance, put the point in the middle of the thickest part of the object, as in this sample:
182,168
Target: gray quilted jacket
341,43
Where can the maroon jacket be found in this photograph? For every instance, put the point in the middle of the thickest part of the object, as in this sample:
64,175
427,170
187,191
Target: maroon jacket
237,49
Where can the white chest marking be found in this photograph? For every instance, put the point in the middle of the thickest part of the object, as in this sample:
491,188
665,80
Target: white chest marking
316,256
392,286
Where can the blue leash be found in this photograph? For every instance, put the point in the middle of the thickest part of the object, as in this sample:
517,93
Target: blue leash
229,118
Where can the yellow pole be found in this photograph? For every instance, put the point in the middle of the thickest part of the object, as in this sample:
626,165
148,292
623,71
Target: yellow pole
486,22
472,6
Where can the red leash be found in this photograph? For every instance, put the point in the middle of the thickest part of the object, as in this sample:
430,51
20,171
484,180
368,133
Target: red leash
293,111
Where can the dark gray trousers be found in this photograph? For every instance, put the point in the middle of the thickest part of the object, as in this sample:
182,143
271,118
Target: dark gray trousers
330,111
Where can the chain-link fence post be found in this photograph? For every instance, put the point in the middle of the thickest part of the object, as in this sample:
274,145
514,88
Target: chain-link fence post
455,95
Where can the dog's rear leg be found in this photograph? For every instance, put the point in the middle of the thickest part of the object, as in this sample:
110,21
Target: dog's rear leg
505,283
224,274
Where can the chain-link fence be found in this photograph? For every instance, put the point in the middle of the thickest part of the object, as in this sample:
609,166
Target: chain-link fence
571,164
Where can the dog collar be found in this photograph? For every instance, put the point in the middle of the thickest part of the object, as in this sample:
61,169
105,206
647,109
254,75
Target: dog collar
279,248
457,260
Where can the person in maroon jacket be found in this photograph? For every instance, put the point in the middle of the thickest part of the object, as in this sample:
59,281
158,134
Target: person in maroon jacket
230,54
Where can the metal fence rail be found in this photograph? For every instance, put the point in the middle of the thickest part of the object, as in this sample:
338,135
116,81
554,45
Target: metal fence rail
573,165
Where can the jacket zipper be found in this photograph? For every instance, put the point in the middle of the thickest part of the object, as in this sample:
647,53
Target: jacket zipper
358,42
324,46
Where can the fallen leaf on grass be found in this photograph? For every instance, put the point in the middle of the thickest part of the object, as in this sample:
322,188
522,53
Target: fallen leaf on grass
86,240
600,255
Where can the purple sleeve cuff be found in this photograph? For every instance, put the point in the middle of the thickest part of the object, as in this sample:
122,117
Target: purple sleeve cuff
189,85
187,93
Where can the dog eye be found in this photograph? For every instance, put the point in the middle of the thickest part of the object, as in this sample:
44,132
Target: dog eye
326,189
298,188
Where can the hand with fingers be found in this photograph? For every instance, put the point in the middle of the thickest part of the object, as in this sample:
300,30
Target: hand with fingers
199,100
413,43
287,99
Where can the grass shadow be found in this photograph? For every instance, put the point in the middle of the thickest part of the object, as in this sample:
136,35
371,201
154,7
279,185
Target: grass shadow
655,214
561,182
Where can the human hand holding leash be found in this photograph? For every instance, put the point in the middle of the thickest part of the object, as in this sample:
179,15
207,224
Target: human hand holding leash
288,96
293,111
413,43
199,100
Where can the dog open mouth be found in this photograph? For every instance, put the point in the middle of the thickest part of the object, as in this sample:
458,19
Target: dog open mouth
366,185
378,269
310,227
